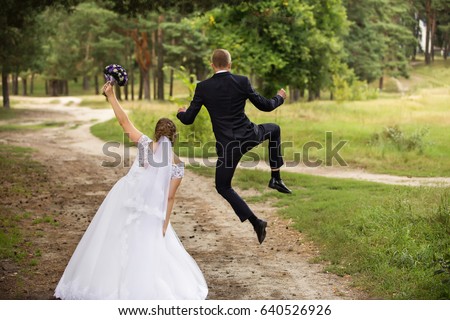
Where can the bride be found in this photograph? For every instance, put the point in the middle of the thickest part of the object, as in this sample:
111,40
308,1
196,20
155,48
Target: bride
130,250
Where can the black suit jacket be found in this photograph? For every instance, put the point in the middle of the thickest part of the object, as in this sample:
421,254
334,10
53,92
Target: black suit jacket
224,96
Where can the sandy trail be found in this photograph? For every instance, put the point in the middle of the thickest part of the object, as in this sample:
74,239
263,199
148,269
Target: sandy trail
234,264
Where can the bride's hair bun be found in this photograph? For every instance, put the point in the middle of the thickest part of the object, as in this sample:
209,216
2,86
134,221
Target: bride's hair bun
165,127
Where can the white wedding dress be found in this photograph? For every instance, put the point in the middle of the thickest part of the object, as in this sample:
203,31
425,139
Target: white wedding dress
123,253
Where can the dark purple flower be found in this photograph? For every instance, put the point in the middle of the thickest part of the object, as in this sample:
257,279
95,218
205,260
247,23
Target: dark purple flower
116,74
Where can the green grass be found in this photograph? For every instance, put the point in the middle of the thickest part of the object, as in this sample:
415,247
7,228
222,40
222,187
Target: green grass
21,176
436,74
389,238
110,131
10,237
45,219
11,113
95,102
27,127
356,122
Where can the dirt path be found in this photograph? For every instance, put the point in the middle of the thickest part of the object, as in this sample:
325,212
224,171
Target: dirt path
234,264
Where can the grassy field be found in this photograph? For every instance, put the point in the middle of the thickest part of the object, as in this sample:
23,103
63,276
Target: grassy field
21,178
393,240
402,135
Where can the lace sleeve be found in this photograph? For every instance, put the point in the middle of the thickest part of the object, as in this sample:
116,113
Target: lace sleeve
143,150
177,171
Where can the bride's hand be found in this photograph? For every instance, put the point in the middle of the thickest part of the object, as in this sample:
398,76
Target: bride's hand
107,89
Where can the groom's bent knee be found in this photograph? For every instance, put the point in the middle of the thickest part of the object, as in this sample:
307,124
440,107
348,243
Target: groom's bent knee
276,130
222,189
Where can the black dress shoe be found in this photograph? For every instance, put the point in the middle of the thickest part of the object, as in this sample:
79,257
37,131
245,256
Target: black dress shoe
278,185
260,229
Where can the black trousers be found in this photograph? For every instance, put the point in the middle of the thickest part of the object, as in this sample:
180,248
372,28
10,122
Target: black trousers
230,156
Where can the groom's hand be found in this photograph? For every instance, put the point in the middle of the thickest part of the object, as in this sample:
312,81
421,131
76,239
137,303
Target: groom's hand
181,110
282,93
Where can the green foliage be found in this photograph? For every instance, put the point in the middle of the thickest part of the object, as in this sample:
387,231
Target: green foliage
379,37
347,87
185,44
17,23
282,42
393,135
80,43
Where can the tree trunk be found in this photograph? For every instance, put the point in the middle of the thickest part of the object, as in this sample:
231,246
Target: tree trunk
146,83
153,66
310,94
66,87
446,50
171,83
427,32
15,84
381,82
433,33
155,85
131,74
32,84
61,87
5,89
24,86
293,94
143,59
259,83
302,91
46,88
317,93
85,83
118,92
160,59
127,58
141,84
54,87
416,35
97,89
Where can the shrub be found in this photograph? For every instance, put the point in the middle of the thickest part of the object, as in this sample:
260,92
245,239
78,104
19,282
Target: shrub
347,87
395,136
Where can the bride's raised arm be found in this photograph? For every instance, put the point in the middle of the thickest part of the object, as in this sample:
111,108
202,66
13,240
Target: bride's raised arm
128,127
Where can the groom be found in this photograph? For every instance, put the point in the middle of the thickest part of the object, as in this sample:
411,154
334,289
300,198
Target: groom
224,96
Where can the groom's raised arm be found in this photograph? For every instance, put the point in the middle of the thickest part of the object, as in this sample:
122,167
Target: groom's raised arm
188,116
263,103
